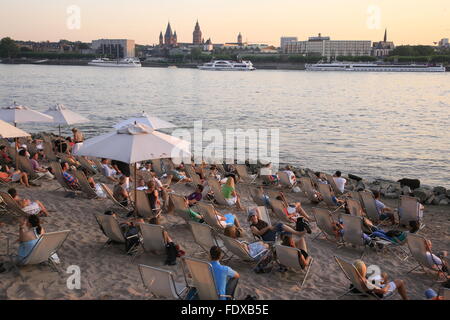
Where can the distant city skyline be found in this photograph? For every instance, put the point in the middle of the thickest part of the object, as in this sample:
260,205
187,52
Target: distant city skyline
263,21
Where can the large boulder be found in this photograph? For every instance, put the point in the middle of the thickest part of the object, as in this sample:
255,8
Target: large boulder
360,186
422,194
444,202
439,190
392,195
448,193
412,183
352,176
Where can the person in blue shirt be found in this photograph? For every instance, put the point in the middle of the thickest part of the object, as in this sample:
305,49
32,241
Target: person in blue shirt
226,279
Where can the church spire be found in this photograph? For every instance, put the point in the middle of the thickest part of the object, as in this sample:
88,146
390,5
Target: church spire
385,35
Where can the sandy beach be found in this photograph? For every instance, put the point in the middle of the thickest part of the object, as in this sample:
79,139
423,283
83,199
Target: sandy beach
110,274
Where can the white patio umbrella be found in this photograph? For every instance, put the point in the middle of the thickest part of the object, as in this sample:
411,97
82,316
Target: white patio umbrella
144,118
9,131
134,143
63,116
21,114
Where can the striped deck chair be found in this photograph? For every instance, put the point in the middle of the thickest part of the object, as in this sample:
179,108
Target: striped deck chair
288,257
43,251
409,210
241,170
161,283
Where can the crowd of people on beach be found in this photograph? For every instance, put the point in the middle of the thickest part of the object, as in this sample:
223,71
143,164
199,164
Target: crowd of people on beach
157,180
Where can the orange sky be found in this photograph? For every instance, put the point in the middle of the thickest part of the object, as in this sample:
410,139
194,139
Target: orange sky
260,21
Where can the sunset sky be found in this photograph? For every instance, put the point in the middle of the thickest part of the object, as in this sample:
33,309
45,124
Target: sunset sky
259,21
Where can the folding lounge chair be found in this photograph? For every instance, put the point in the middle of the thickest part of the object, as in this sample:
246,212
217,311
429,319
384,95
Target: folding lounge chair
313,178
325,223
278,210
86,165
354,207
238,249
84,185
370,207
48,151
325,191
308,189
353,232
419,252
161,283
179,206
25,166
42,252
157,167
241,170
11,206
284,179
409,210
209,215
193,175
152,239
352,274
218,196
203,235
332,183
288,257
111,229
256,196
143,207
203,279
110,196
56,167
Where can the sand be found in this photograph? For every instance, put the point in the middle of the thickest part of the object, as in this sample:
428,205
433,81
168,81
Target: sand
110,274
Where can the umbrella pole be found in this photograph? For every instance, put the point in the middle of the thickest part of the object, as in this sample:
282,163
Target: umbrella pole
135,191
16,140
60,142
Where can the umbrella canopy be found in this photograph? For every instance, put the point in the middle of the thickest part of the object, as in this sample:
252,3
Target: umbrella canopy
151,122
21,114
63,116
9,131
135,143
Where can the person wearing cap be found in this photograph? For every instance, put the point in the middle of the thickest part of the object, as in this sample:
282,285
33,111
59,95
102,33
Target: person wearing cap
78,139
268,233
430,294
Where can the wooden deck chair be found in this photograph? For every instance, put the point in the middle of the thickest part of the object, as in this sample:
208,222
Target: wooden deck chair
284,179
110,196
209,216
409,210
193,175
352,274
241,170
11,205
203,279
161,283
203,235
278,209
370,207
420,253
325,223
239,249
218,196
47,246
85,186
326,193
354,207
25,166
353,231
288,257
57,171
307,187
143,207
332,183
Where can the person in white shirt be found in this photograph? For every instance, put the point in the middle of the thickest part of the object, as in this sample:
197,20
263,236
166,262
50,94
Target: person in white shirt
291,175
340,182
108,171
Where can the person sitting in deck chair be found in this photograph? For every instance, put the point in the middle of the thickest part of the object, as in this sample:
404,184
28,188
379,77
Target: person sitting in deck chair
120,192
339,181
195,196
230,194
11,175
5,156
266,232
293,210
253,249
226,279
108,171
40,171
228,219
437,260
197,217
141,185
387,287
173,250
383,211
178,175
303,258
266,171
31,207
291,174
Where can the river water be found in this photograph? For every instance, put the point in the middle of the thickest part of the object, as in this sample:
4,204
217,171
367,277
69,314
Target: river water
389,125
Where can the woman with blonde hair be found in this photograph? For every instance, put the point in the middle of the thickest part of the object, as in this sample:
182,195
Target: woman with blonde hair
230,194
254,249
78,139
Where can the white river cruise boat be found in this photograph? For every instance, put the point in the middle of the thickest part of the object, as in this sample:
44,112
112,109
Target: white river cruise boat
226,65
372,67
104,62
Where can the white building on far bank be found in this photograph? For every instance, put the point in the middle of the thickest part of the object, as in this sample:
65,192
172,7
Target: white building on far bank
117,48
